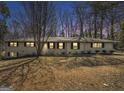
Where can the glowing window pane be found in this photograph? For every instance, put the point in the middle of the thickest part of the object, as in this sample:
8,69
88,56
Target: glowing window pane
30,44
51,45
75,45
13,44
60,45
97,45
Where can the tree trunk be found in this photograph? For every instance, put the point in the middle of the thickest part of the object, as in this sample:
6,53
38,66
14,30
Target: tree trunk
90,34
95,28
101,27
81,30
112,30
108,34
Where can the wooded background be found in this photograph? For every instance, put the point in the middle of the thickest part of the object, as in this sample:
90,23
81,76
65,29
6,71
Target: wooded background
94,19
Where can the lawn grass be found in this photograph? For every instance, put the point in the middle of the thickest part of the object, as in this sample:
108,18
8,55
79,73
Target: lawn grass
98,72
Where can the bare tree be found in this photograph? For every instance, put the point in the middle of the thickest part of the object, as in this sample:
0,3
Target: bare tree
61,23
15,29
80,10
40,15
113,16
68,23
23,21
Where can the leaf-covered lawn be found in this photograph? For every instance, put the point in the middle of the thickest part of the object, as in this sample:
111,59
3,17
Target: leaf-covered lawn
97,72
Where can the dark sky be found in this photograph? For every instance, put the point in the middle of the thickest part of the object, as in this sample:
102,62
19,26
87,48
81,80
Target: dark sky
14,6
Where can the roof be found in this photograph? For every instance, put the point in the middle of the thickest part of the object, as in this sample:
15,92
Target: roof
65,39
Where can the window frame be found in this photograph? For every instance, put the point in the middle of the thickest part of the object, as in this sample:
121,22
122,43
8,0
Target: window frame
97,45
78,45
49,46
29,44
63,45
13,44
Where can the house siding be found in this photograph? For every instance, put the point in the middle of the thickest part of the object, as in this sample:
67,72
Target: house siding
85,47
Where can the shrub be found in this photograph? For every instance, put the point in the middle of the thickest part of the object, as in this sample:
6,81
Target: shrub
62,53
89,52
104,51
97,51
50,53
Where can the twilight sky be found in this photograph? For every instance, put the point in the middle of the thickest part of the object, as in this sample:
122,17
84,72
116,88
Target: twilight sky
14,6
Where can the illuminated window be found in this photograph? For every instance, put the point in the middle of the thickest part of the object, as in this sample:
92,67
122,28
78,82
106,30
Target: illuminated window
13,44
13,54
61,45
75,46
29,44
51,45
97,45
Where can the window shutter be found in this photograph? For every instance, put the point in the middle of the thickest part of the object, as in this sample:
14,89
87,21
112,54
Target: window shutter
17,43
57,45
91,45
78,45
63,45
8,43
54,45
48,45
34,44
24,44
102,45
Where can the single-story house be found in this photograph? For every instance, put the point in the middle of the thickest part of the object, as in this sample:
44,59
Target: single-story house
58,46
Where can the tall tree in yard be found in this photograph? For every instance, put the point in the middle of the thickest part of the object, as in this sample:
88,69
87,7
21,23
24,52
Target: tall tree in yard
102,15
21,25
90,26
80,11
15,25
66,22
61,22
103,8
101,11
40,15
112,16
95,11
4,14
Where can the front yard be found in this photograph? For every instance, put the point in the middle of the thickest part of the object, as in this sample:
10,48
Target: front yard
97,72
